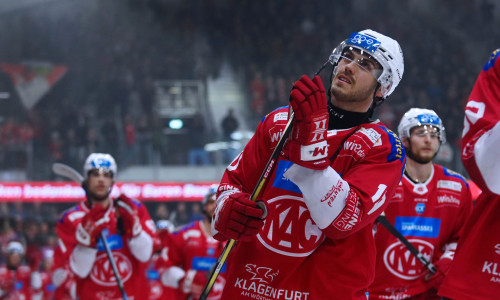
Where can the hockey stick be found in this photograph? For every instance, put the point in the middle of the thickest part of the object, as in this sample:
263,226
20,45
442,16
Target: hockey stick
271,163
383,220
68,172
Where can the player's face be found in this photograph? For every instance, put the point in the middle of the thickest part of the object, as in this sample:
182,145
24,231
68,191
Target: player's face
14,259
354,83
100,182
210,207
424,142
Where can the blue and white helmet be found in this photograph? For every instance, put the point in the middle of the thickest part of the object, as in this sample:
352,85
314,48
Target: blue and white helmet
210,193
419,117
99,161
385,50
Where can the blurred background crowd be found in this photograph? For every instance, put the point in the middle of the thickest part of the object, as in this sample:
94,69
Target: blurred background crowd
119,58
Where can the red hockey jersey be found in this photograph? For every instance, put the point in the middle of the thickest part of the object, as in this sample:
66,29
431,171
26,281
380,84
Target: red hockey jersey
475,272
431,216
291,257
191,248
101,282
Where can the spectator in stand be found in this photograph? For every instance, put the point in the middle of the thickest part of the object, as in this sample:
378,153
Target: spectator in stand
197,140
229,125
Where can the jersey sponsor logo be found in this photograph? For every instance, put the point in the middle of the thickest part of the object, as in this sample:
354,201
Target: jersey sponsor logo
354,147
418,226
332,194
497,248
275,133
281,116
102,272
448,199
115,241
371,134
400,262
350,215
291,232
420,208
258,286
420,200
203,263
397,149
280,181
449,185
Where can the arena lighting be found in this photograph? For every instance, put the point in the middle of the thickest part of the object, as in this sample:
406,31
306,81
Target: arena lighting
175,124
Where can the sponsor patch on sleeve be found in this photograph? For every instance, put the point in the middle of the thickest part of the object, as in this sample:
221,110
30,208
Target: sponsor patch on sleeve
281,116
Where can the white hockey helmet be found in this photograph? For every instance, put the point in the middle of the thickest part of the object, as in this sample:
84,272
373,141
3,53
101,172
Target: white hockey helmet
99,161
15,247
210,193
419,117
385,50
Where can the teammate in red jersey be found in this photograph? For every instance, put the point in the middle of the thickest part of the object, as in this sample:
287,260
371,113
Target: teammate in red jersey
190,255
475,272
17,280
330,183
429,208
129,233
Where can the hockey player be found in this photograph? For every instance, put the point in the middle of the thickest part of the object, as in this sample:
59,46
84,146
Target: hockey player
124,222
475,272
190,255
314,239
429,208
17,280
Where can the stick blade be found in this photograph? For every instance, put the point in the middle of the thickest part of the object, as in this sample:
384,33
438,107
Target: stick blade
67,172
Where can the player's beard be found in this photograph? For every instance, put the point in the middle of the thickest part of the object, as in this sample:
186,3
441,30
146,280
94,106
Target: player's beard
417,157
100,197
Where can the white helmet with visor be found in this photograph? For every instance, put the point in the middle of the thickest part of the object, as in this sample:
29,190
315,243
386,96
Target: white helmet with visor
102,161
385,50
416,117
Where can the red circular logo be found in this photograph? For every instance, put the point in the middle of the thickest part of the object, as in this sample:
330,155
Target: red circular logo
400,262
102,272
289,228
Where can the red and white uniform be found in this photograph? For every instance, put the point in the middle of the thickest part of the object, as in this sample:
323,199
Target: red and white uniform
100,283
293,257
475,272
192,249
431,216
17,284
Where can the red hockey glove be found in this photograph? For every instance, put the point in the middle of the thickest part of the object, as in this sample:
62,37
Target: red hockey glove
94,221
435,280
194,282
237,217
129,215
307,145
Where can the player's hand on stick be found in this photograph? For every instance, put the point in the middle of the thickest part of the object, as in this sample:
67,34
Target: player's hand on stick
194,282
237,217
129,214
94,221
307,145
442,266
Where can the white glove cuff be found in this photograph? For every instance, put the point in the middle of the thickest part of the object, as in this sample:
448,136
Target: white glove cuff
172,276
